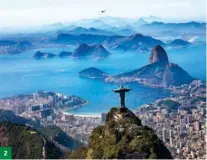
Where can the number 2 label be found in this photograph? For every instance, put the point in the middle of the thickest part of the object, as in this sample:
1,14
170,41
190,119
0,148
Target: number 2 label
5,153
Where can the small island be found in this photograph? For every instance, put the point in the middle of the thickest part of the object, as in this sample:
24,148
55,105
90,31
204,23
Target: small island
93,73
83,51
42,55
96,51
158,73
65,54
179,43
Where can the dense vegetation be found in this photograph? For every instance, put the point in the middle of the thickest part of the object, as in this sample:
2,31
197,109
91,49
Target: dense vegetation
170,104
50,131
122,137
26,143
59,136
6,115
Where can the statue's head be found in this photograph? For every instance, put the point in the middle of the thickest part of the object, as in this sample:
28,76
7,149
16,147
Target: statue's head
121,86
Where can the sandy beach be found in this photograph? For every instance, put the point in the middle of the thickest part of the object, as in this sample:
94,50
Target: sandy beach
83,115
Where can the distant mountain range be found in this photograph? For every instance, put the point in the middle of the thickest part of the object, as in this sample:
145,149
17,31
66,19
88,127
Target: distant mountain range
7,42
91,30
95,23
125,31
136,42
13,47
111,32
107,23
86,38
159,72
153,26
115,39
139,24
74,30
179,28
118,22
179,43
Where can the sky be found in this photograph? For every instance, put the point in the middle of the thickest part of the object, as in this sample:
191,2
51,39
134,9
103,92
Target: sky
36,12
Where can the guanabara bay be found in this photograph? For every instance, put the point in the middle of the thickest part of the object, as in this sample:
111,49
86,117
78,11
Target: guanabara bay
103,79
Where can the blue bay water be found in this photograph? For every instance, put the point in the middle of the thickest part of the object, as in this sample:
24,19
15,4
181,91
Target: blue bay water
20,74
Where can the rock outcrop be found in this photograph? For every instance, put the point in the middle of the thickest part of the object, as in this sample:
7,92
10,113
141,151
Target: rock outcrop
41,55
97,51
122,137
159,73
158,55
135,42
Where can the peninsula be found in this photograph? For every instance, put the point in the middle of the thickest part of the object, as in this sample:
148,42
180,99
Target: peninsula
158,73
40,104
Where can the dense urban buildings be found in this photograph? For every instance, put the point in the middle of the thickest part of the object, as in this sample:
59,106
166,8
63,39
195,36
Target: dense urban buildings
179,121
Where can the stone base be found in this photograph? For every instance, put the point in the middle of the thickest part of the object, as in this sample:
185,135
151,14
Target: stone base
123,109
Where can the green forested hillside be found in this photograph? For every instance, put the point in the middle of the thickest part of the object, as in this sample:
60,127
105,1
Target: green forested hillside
27,143
122,137
59,136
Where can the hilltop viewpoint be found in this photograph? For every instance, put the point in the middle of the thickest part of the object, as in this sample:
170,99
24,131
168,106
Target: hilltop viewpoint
122,137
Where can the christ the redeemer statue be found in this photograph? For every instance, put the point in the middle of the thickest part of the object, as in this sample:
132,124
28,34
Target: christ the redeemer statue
121,92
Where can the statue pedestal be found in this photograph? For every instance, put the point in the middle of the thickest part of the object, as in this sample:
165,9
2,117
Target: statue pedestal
123,109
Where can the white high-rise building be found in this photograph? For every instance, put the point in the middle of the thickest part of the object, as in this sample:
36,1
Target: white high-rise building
164,131
171,142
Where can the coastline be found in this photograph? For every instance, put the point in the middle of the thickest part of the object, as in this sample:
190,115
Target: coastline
65,110
74,107
81,114
85,115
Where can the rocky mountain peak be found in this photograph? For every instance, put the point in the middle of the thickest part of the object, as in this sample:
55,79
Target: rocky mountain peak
122,137
136,36
122,118
158,55
84,45
85,50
